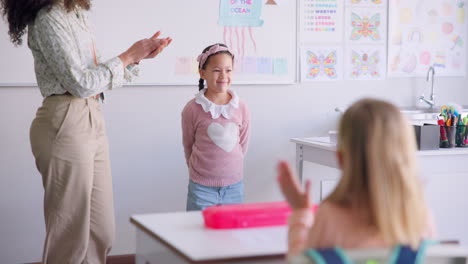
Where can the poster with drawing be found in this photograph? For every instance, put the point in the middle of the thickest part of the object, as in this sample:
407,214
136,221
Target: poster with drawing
365,25
366,3
365,41
424,34
321,63
261,33
365,62
244,25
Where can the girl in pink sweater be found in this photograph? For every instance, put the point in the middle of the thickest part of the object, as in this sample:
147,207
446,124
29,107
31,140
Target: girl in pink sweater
215,130
378,201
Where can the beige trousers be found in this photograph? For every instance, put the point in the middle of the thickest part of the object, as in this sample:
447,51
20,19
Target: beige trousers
69,143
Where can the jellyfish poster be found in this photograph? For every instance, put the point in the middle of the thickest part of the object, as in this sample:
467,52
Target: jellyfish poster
321,63
244,26
427,33
238,17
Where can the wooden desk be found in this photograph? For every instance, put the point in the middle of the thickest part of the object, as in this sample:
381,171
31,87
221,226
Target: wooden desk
180,237
444,175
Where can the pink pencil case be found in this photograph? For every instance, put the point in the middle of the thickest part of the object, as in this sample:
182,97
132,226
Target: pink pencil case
247,215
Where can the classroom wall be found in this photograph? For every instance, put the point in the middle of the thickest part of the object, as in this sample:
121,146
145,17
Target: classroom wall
149,170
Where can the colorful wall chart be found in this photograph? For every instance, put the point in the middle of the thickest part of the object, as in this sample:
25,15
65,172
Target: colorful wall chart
427,33
262,33
246,26
365,25
357,51
238,19
321,20
367,3
365,39
365,62
321,63
242,65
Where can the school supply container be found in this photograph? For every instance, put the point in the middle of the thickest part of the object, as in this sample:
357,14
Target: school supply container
447,136
461,136
427,136
248,215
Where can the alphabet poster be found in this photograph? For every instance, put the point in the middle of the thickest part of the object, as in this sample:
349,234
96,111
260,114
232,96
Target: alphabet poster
321,20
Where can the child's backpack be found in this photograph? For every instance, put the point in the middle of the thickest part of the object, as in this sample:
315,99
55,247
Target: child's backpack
398,255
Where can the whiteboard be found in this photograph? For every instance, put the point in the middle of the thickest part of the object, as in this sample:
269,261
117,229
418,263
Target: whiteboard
261,35
16,63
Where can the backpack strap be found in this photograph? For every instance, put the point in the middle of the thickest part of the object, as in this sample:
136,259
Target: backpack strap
403,255
406,255
328,256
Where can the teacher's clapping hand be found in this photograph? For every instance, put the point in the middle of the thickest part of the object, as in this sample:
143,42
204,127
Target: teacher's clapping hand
162,44
144,49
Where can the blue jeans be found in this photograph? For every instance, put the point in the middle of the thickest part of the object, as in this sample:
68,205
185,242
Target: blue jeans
200,196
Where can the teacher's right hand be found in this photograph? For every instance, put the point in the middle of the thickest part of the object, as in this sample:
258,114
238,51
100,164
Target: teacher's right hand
162,44
143,49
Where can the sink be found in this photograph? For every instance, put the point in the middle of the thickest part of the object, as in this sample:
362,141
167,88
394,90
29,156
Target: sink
425,115
435,109
411,111
417,110
422,116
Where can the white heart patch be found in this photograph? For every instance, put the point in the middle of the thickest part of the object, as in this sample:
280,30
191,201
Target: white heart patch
224,137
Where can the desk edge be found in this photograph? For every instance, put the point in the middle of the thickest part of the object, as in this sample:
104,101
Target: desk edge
207,261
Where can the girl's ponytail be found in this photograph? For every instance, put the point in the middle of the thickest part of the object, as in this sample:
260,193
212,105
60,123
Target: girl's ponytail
201,84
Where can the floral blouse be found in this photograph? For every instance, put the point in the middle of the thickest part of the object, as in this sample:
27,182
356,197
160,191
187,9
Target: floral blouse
64,56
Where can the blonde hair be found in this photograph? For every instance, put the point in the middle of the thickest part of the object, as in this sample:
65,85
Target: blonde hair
380,175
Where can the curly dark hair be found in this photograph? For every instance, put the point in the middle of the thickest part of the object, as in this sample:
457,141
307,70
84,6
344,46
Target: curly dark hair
19,13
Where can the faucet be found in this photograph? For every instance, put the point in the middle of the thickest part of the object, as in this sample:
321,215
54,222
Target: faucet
340,110
431,100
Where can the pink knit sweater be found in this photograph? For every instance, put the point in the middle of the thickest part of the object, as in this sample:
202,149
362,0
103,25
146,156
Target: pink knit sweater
215,147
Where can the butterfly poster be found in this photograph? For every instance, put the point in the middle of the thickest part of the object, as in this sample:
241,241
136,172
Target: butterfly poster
366,25
321,63
366,3
365,62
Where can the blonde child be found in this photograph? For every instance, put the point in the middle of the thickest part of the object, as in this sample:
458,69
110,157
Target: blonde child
215,130
378,201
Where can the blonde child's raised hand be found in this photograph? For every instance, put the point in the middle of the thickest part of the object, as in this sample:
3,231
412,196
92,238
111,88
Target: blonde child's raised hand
291,189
